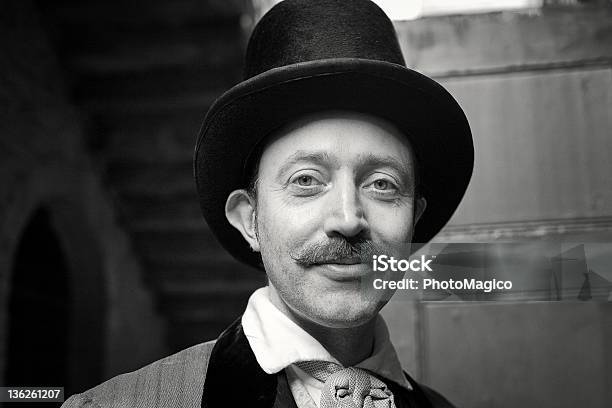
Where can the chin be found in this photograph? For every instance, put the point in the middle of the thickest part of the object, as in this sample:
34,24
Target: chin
343,313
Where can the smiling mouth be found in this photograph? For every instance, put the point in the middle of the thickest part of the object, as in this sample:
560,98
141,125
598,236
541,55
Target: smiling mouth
344,270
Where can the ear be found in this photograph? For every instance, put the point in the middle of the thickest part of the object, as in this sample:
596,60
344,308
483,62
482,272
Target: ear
240,212
419,208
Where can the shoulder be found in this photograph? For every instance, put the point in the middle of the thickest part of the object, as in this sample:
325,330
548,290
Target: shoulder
174,381
427,396
436,399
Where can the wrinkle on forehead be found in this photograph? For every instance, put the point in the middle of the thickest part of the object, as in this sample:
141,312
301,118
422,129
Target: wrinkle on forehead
335,136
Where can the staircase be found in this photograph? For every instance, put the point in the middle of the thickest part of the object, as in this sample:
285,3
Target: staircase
144,74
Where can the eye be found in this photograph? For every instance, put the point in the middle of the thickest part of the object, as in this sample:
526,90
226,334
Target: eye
381,184
304,180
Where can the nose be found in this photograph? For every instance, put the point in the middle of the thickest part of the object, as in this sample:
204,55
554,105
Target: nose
346,214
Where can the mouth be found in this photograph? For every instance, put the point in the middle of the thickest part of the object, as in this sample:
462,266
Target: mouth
343,270
341,261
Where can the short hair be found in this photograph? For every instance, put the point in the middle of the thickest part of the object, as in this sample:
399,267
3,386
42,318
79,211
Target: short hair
251,169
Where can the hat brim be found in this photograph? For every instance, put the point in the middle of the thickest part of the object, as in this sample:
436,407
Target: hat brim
432,120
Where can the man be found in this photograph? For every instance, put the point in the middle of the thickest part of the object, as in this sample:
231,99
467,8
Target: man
329,152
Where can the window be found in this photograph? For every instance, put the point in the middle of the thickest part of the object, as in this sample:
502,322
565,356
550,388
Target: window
411,9
432,7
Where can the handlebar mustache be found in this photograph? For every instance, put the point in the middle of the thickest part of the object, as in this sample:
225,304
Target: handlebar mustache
336,249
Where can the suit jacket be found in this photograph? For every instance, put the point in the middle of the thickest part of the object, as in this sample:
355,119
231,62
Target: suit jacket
217,374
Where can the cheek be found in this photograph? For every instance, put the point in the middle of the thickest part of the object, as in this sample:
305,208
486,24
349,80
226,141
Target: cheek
392,223
283,226
286,218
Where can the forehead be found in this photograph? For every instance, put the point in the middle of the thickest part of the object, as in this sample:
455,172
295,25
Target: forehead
339,138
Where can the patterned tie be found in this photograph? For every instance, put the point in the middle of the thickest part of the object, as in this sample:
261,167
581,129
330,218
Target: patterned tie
348,387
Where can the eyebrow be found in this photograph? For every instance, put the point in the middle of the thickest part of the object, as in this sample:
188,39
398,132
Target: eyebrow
371,160
316,157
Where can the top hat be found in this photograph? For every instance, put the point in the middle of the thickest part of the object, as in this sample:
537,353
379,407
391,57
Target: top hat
307,56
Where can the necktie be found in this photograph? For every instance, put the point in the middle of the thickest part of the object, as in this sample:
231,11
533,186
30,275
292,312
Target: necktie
349,387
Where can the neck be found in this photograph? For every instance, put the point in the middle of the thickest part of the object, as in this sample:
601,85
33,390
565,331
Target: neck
349,345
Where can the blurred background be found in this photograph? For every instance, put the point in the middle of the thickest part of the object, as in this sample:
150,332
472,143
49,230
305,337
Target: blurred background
107,265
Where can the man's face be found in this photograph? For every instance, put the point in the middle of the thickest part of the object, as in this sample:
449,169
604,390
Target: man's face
333,190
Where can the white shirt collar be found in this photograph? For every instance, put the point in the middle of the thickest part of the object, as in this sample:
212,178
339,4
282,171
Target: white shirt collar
278,342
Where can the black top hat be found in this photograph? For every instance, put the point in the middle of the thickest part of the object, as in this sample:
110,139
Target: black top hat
306,56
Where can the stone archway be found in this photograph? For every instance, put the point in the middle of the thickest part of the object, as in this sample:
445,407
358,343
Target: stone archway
111,310
39,307
49,219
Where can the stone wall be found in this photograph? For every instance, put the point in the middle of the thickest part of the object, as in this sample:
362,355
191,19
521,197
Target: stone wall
536,86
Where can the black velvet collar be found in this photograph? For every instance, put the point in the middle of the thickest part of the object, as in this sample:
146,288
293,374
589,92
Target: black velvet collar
235,379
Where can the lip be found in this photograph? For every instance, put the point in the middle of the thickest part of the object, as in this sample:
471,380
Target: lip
345,271
342,261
